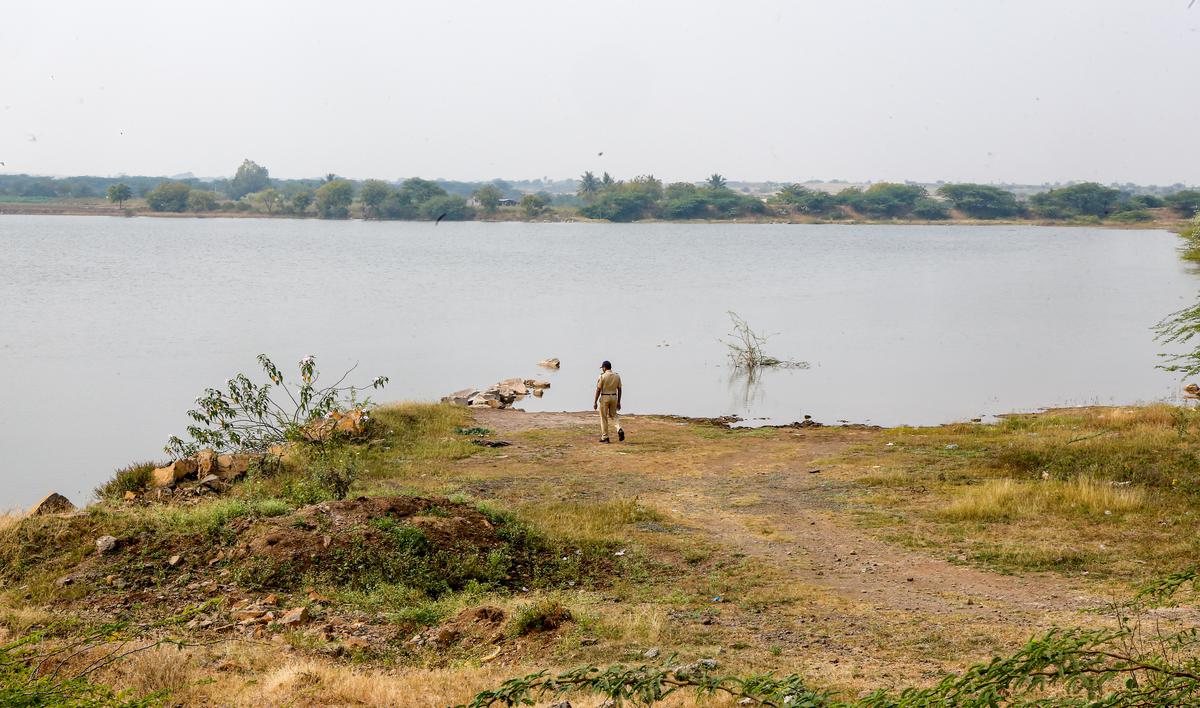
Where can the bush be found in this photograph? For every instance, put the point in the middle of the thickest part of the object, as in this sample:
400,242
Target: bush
885,199
198,200
542,616
1086,199
981,201
929,208
169,196
448,207
134,478
1132,216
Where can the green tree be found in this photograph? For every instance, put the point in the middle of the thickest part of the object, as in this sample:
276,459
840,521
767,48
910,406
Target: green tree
169,196
268,200
449,207
534,205
802,200
887,199
1186,202
606,181
201,200
589,186
119,193
489,197
716,181
1086,199
301,200
981,201
250,177
372,195
418,191
930,208
333,199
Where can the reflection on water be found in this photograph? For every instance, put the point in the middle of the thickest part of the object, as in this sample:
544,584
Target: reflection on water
110,327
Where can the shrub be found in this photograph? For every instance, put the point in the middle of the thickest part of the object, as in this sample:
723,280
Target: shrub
133,478
169,196
929,208
541,616
250,416
1132,216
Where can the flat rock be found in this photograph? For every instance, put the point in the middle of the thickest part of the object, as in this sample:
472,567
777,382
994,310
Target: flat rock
172,473
462,397
295,616
52,503
550,363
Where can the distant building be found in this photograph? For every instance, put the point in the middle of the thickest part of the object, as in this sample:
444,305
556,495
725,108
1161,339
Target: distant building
507,202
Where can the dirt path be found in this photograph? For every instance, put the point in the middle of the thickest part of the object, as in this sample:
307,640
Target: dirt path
762,498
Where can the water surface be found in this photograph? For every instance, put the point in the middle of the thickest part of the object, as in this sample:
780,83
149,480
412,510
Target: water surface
109,327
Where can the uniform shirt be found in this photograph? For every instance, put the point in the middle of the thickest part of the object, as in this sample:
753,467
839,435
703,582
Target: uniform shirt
609,382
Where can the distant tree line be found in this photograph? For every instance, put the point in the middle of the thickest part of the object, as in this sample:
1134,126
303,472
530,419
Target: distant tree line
252,189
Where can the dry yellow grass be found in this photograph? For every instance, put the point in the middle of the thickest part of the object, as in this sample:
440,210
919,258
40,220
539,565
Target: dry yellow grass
589,522
1009,499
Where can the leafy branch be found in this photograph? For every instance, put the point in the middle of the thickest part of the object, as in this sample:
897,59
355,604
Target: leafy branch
253,417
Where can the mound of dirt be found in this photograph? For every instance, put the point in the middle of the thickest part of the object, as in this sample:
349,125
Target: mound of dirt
320,531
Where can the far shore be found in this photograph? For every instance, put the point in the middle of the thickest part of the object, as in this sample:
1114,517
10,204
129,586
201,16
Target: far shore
100,209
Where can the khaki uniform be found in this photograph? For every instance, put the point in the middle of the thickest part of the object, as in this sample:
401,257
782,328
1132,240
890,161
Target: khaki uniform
608,384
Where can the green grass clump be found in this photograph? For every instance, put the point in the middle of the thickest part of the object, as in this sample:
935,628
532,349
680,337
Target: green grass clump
541,616
132,478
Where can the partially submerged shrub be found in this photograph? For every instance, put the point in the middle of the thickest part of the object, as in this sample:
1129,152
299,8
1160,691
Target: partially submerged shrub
746,349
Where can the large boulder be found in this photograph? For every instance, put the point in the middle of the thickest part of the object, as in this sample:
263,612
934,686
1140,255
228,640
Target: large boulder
351,424
172,473
231,466
52,503
514,387
206,463
550,363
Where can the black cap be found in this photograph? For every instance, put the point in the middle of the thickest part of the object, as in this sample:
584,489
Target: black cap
606,365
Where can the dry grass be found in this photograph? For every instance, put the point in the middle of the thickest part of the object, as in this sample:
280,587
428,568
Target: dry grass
1009,499
595,522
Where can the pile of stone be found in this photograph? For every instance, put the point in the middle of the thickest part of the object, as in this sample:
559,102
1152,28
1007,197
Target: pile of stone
211,469
500,395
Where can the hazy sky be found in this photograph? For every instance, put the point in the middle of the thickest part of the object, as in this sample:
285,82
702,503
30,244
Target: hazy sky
1007,90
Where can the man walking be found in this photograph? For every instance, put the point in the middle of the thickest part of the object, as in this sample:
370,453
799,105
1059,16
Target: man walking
608,401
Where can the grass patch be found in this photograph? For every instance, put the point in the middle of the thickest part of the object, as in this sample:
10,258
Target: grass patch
590,522
1008,499
133,478
542,616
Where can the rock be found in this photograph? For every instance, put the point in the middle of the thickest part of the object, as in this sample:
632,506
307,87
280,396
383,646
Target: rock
461,398
172,473
130,496
271,599
534,383
490,443
515,386
106,544
314,596
233,466
538,393
651,653
1192,389
206,463
174,560
357,643
588,641
550,363
295,616
52,503
561,704
212,481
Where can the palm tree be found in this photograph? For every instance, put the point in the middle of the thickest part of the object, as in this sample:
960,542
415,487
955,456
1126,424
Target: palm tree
716,181
607,181
588,186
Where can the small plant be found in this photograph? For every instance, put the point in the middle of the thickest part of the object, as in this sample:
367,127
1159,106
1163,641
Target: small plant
250,416
473,432
746,349
335,472
133,478
541,616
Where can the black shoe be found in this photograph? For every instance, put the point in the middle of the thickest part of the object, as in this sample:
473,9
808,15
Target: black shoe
605,440
620,435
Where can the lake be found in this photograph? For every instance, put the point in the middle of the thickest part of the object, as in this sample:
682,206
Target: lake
110,327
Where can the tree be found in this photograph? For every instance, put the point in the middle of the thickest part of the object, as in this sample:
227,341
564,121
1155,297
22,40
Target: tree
1186,201
372,195
119,193
489,197
802,200
716,181
1085,199
449,207
930,208
250,177
169,196
981,201
606,181
268,200
333,199
301,200
534,205
201,200
589,186
886,199
418,191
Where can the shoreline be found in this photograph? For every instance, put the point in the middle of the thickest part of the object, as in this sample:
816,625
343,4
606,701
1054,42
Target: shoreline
22,209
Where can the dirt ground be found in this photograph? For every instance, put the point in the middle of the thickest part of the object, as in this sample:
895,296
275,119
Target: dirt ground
831,598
